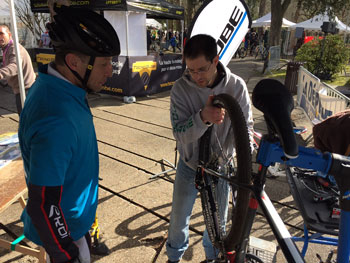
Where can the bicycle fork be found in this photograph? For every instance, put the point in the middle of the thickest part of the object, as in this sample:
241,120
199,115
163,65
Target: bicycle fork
210,207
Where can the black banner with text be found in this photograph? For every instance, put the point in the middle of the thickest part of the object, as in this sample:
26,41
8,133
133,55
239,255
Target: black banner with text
142,76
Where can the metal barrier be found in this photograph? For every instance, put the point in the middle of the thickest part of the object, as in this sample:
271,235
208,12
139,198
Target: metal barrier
274,57
317,99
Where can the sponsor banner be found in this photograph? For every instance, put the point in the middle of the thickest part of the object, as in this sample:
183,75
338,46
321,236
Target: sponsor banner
44,56
227,21
154,8
134,76
142,76
41,5
317,99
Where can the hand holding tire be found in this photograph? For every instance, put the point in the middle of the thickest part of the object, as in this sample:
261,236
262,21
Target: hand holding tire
212,114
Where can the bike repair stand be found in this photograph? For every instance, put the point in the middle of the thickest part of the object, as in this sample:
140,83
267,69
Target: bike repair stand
172,165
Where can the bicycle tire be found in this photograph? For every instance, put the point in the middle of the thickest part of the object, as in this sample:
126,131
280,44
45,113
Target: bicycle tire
232,240
250,258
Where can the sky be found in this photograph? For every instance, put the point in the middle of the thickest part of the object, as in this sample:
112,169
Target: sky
4,8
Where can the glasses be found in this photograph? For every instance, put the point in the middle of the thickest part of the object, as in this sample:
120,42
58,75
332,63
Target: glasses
201,71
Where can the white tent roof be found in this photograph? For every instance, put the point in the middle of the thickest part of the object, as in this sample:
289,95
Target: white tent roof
316,22
153,23
266,21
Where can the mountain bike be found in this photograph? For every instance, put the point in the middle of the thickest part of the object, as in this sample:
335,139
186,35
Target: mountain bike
261,52
278,145
242,51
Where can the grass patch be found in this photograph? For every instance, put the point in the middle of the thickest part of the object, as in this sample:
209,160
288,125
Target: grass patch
339,79
277,73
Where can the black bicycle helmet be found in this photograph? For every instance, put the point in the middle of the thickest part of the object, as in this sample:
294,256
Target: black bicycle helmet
83,30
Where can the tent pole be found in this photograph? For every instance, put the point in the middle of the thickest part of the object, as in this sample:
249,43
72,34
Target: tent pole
182,36
347,27
18,56
127,32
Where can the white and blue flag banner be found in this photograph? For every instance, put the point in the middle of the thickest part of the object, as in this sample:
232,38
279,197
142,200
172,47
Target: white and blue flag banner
227,21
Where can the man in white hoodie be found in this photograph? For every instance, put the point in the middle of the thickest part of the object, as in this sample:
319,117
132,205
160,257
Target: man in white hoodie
191,114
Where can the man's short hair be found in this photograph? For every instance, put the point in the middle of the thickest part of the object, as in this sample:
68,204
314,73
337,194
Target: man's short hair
199,45
6,26
60,56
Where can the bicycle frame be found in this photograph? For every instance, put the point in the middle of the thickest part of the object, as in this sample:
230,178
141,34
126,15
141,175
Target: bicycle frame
271,152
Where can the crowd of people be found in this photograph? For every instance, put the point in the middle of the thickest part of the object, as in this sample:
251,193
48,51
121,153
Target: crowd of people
159,40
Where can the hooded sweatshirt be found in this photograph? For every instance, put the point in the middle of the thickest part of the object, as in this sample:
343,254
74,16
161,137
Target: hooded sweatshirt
188,99
9,70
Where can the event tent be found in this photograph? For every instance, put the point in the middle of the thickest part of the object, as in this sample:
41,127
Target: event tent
316,22
136,72
125,15
150,22
266,21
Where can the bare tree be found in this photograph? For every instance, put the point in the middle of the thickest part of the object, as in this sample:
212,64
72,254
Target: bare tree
262,11
278,8
34,22
191,6
297,11
262,8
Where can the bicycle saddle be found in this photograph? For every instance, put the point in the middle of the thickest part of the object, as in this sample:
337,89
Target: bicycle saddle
272,98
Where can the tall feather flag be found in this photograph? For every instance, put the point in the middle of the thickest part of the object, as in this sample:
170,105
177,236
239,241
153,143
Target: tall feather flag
227,21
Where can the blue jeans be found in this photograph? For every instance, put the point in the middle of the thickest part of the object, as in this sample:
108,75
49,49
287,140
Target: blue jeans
184,196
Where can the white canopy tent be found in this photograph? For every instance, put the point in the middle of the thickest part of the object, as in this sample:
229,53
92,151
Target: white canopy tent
316,22
153,23
266,21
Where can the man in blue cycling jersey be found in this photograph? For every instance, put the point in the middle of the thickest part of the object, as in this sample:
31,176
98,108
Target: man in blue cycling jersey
57,135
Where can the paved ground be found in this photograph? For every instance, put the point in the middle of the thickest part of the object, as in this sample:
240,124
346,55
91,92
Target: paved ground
134,210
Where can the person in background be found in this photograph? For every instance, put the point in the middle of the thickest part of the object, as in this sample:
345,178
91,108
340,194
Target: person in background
266,38
192,113
185,37
9,71
62,174
173,42
45,41
148,32
332,134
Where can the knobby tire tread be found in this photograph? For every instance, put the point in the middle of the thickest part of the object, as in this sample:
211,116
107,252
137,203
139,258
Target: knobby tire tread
244,168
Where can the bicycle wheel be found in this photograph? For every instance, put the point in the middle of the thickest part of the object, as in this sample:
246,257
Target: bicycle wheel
242,52
257,52
239,131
